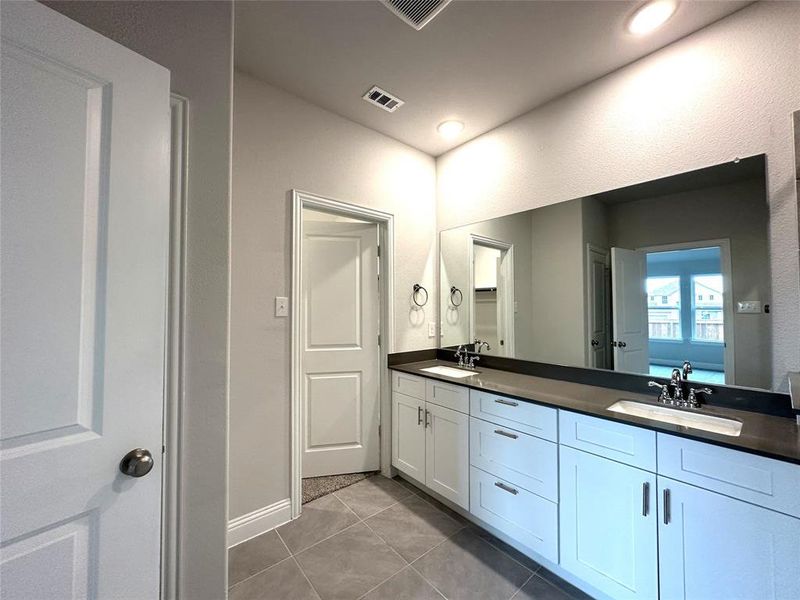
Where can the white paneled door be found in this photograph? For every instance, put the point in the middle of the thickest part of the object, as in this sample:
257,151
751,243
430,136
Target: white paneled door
341,356
629,306
84,202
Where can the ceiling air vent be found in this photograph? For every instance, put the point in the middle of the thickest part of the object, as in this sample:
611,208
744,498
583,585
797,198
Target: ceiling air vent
416,13
383,99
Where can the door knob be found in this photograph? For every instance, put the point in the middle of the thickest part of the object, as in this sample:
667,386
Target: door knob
136,463
595,343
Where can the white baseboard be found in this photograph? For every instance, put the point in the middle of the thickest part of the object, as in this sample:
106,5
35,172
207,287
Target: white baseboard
259,521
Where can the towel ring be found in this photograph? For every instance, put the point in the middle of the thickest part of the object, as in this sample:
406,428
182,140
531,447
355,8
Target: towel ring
417,289
453,291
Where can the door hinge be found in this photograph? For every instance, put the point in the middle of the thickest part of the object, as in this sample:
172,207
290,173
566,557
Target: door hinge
379,430
379,251
379,339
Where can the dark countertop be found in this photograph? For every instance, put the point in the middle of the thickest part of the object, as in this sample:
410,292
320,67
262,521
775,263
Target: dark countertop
765,435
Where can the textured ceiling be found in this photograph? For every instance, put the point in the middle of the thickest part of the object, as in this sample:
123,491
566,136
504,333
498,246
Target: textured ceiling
481,62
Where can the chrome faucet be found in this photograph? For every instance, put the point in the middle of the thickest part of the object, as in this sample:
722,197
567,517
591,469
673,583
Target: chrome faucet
676,381
481,344
677,399
460,354
471,363
687,370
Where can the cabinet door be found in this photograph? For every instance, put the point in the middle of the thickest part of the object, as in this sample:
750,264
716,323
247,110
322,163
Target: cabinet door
408,435
712,546
608,525
447,453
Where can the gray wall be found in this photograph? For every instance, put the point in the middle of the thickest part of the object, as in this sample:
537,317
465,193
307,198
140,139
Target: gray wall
558,282
738,212
726,91
194,40
281,142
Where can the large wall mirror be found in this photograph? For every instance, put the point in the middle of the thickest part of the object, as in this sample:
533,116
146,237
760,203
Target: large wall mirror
640,279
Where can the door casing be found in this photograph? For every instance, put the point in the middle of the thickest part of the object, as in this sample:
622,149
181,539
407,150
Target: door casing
385,222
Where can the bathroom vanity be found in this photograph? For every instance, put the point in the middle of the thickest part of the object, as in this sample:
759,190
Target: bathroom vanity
622,506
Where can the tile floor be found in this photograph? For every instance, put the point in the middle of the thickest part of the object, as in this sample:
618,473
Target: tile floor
385,539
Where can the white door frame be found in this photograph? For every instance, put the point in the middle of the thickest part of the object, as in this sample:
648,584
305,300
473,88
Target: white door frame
385,222
726,267
508,273
174,352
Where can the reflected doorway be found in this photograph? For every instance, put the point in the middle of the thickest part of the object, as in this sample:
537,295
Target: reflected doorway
492,290
689,311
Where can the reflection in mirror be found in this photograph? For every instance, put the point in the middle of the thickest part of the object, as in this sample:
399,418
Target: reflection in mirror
643,279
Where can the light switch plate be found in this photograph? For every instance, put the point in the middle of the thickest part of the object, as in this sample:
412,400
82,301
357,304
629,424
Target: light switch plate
432,329
748,306
281,306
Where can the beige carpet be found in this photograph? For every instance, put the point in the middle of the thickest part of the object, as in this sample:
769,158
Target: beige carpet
316,487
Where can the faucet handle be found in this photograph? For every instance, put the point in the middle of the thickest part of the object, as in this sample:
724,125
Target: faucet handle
692,400
664,395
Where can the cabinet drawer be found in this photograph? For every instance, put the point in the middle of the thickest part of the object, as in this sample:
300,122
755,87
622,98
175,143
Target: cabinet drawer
528,518
448,395
526,461
410,385
624,443
534,419
762,481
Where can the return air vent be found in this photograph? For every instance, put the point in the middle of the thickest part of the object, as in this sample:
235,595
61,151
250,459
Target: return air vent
416,13
383,99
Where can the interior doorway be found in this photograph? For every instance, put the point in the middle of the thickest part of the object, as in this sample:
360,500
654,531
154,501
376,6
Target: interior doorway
341,298
492,290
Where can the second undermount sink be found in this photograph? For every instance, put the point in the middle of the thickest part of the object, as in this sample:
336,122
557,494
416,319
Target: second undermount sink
693,420
449,371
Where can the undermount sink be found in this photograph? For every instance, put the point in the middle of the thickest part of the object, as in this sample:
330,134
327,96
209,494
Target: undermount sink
449,371
693,420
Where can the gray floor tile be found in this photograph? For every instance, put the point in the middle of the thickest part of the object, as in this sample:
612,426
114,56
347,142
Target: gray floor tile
283,581
466,566
444,508
501,545
406,585
412,527
349,564
408,485
567,587
321,518
367,497
539,589
252,556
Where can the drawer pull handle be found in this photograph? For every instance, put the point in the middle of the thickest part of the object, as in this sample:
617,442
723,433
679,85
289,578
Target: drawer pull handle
506,402
513,436
666,507
419,415
645,498
506,488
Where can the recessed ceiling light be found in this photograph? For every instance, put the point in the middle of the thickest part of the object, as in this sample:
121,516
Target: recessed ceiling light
651,16
450,129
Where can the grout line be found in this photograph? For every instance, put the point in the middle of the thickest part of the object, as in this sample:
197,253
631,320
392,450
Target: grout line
519,589
326,539
238,583
303,573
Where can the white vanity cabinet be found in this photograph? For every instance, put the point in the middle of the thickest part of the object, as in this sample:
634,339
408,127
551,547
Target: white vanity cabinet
713,546
430,434
608,532
731,527
514,470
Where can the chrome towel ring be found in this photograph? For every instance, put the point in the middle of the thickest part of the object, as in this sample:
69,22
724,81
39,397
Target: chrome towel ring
453,291
418,290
